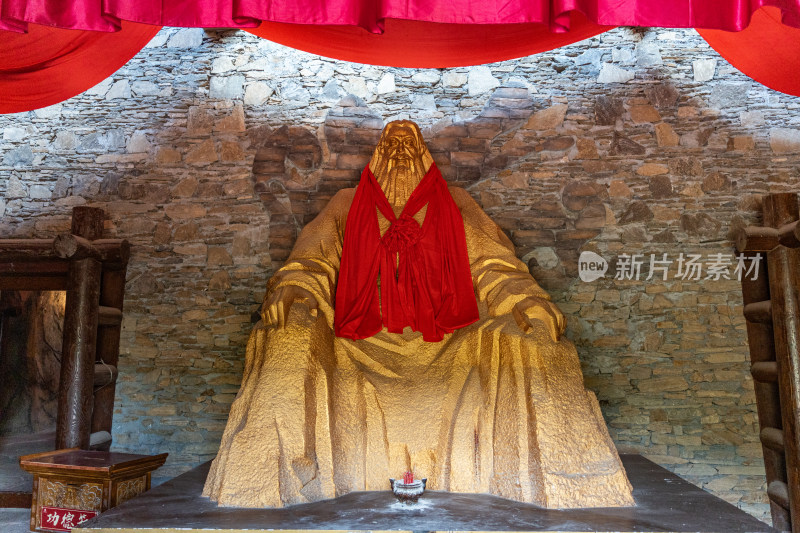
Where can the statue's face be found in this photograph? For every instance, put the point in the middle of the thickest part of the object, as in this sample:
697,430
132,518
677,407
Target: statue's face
400,149
398,163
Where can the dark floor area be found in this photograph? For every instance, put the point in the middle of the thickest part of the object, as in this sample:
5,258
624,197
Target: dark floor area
15,520
665,502
13,480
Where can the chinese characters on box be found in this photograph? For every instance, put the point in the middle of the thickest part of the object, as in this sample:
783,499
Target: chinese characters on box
58,519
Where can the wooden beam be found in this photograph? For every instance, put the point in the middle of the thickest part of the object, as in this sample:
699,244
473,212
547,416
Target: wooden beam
778,492
38,267
68,246
16,500
25,249
104,375
764,239
789,235
33,283
756,239
109,316
65,246
772,438
759,312
765,371
87,222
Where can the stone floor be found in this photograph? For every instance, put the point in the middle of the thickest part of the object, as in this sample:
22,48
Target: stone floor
12,477
664,502
15,520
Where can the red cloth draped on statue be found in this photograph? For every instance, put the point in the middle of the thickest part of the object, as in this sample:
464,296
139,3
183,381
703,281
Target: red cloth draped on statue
423,271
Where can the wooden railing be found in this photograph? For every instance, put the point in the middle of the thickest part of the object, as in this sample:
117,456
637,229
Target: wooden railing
92,271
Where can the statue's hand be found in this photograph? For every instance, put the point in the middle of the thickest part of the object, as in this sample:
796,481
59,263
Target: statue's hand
533,308
280,301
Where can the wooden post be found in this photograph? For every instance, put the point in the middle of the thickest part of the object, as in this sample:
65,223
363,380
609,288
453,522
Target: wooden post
73,425
87,222
112,295
784,283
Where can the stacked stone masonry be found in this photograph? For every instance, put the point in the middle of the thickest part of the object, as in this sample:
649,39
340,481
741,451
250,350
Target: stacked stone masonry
211,150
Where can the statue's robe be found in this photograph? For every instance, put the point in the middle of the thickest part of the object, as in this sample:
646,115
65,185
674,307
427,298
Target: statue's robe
488,409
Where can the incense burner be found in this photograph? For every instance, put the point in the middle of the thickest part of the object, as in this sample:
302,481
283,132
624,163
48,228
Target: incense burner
409,489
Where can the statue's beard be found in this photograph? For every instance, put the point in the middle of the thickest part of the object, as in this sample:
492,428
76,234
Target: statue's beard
399,181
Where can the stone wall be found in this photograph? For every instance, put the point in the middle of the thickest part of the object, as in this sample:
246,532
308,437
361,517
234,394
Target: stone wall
211,150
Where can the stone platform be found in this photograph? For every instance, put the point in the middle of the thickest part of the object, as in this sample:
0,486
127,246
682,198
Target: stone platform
664,501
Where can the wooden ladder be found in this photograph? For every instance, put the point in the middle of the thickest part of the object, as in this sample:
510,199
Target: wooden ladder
772,310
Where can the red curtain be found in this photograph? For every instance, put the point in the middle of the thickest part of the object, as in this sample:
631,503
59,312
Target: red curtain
767,51
49,65
105,15
411,44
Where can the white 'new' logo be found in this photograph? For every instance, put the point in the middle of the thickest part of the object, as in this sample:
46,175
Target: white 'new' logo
591,266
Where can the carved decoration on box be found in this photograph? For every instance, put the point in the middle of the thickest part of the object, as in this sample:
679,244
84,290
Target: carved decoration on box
130,487
87,496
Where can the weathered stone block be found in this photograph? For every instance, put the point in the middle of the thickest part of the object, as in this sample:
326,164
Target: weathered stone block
186,38
226,87
666,136
202,154
703,69
232,123
637,211
218,256
184,211
557,144
652,169
547,119
644,113
610,73
576,195
662,95
661,187
18,157
621,145
784,140
481,80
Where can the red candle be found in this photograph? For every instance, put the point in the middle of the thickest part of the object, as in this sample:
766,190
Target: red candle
408,478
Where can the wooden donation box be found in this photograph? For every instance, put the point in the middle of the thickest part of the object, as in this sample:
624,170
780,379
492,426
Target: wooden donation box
71,486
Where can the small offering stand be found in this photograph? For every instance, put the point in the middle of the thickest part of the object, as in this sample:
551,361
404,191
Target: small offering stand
71,486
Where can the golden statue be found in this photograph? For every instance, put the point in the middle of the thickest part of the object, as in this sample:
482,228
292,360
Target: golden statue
496,406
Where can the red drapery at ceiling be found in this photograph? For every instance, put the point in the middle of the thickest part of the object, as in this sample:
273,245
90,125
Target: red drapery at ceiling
408,43
105,15
55,61
48,65
767,51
